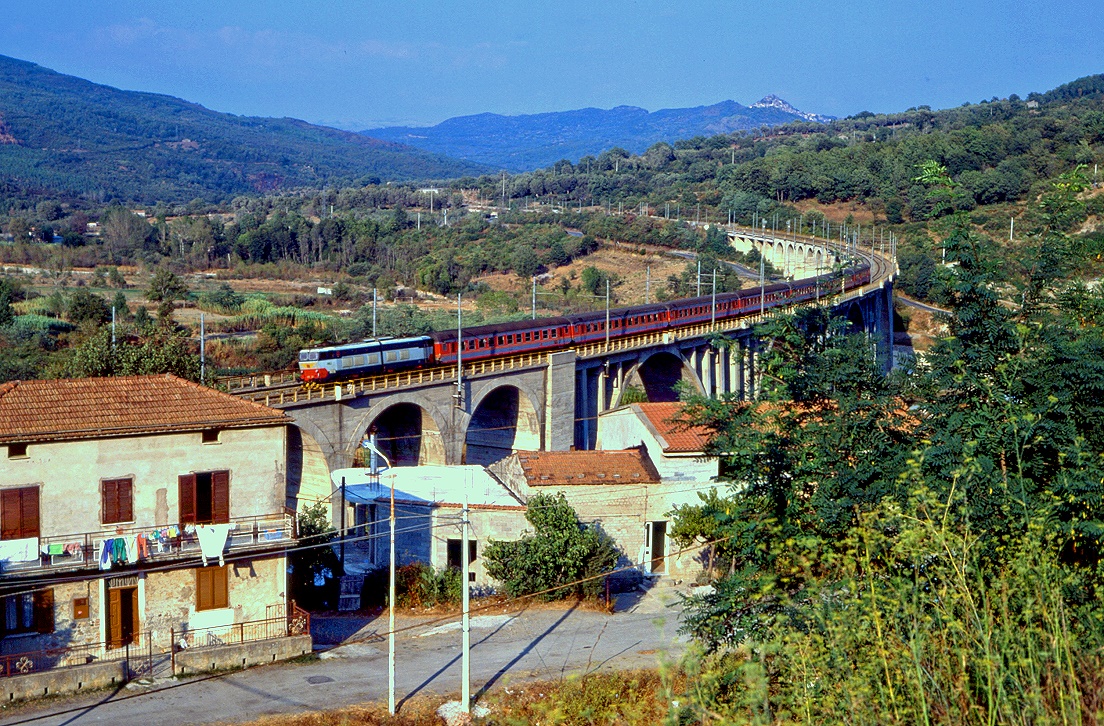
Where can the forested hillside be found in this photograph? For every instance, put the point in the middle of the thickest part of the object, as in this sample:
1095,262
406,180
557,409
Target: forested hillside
531,141
61,135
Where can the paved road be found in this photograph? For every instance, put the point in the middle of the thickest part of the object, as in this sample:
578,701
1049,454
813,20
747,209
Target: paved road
536,643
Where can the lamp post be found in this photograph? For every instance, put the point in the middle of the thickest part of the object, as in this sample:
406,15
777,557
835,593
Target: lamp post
374,469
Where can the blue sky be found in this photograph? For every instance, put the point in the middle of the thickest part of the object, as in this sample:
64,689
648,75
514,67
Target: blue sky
364,64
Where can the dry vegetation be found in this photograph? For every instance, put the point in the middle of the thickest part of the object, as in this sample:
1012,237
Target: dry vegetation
633,697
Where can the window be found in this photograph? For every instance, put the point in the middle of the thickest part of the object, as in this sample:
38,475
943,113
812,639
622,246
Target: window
118,500
454,550
19,513
205,498
210,436
17,451
27,613
212,588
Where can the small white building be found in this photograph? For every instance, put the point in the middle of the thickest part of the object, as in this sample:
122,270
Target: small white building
428,504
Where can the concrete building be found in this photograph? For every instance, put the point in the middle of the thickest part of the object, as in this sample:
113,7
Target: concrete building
620,491
133,507
428,504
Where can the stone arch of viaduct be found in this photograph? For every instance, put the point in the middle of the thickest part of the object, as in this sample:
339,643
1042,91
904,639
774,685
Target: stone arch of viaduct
555,406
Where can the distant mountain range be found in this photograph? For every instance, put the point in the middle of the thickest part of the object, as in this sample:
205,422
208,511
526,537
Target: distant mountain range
61,134
522,143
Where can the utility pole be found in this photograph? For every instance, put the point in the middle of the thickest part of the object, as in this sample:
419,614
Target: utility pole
202,345
374,303
698,294
647,284
534,297
459,352
607,313
1011,227
113,332
465,646
763,274
391,611
713,303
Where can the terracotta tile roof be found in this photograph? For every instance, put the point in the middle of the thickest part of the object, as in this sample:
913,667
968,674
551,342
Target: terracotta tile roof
674,437
559,468
82,408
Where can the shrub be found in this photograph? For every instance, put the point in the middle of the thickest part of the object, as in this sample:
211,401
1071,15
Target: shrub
560,552
417,585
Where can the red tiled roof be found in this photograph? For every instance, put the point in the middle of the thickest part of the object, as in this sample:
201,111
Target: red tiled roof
675,437
558,468
83,408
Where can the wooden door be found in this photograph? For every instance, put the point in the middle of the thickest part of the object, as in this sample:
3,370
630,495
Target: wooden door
122,616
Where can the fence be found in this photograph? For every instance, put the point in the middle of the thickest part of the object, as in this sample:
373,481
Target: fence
295,622
138,657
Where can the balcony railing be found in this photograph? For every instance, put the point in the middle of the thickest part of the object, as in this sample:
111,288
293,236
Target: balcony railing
172,542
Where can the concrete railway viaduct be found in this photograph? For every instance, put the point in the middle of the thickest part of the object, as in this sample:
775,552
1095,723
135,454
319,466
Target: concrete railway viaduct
551,401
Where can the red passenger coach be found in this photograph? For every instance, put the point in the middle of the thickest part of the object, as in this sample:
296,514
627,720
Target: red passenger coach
502,339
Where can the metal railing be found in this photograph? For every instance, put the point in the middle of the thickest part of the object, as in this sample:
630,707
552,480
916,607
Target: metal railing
138,656
295,622
403,379
81,550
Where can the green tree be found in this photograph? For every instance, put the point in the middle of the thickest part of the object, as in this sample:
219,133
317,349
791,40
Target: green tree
312,561
84,306
550,560
7,314
165,288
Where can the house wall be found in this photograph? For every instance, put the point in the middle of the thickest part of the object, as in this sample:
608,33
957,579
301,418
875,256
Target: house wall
487,525
69,474
622,428
622,511
167,603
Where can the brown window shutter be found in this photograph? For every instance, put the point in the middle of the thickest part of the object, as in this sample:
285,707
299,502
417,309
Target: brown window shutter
110,502
10,514
30,512
220,497
203,589
125,492
44,611
221,593
187,498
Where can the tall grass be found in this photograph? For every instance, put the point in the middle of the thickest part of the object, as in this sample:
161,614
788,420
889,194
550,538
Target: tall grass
257,312
912,623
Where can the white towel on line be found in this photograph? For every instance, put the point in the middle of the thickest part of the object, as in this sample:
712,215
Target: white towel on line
212,541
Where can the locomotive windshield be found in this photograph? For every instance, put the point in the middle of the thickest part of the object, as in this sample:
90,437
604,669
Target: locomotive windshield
305,355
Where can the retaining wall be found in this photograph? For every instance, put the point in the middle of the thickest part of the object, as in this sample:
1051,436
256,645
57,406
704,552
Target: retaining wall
63,680
241,655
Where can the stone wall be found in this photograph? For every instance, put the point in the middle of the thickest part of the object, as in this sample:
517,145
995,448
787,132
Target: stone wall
65,680
241,655
69,474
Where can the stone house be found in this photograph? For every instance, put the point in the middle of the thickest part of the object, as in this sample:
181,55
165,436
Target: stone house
620,491
134,507
428,504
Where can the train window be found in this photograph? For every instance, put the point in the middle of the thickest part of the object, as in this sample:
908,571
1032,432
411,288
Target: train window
391,356
404,354
373,359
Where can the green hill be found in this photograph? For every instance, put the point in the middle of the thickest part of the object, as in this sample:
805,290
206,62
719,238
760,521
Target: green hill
60,134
